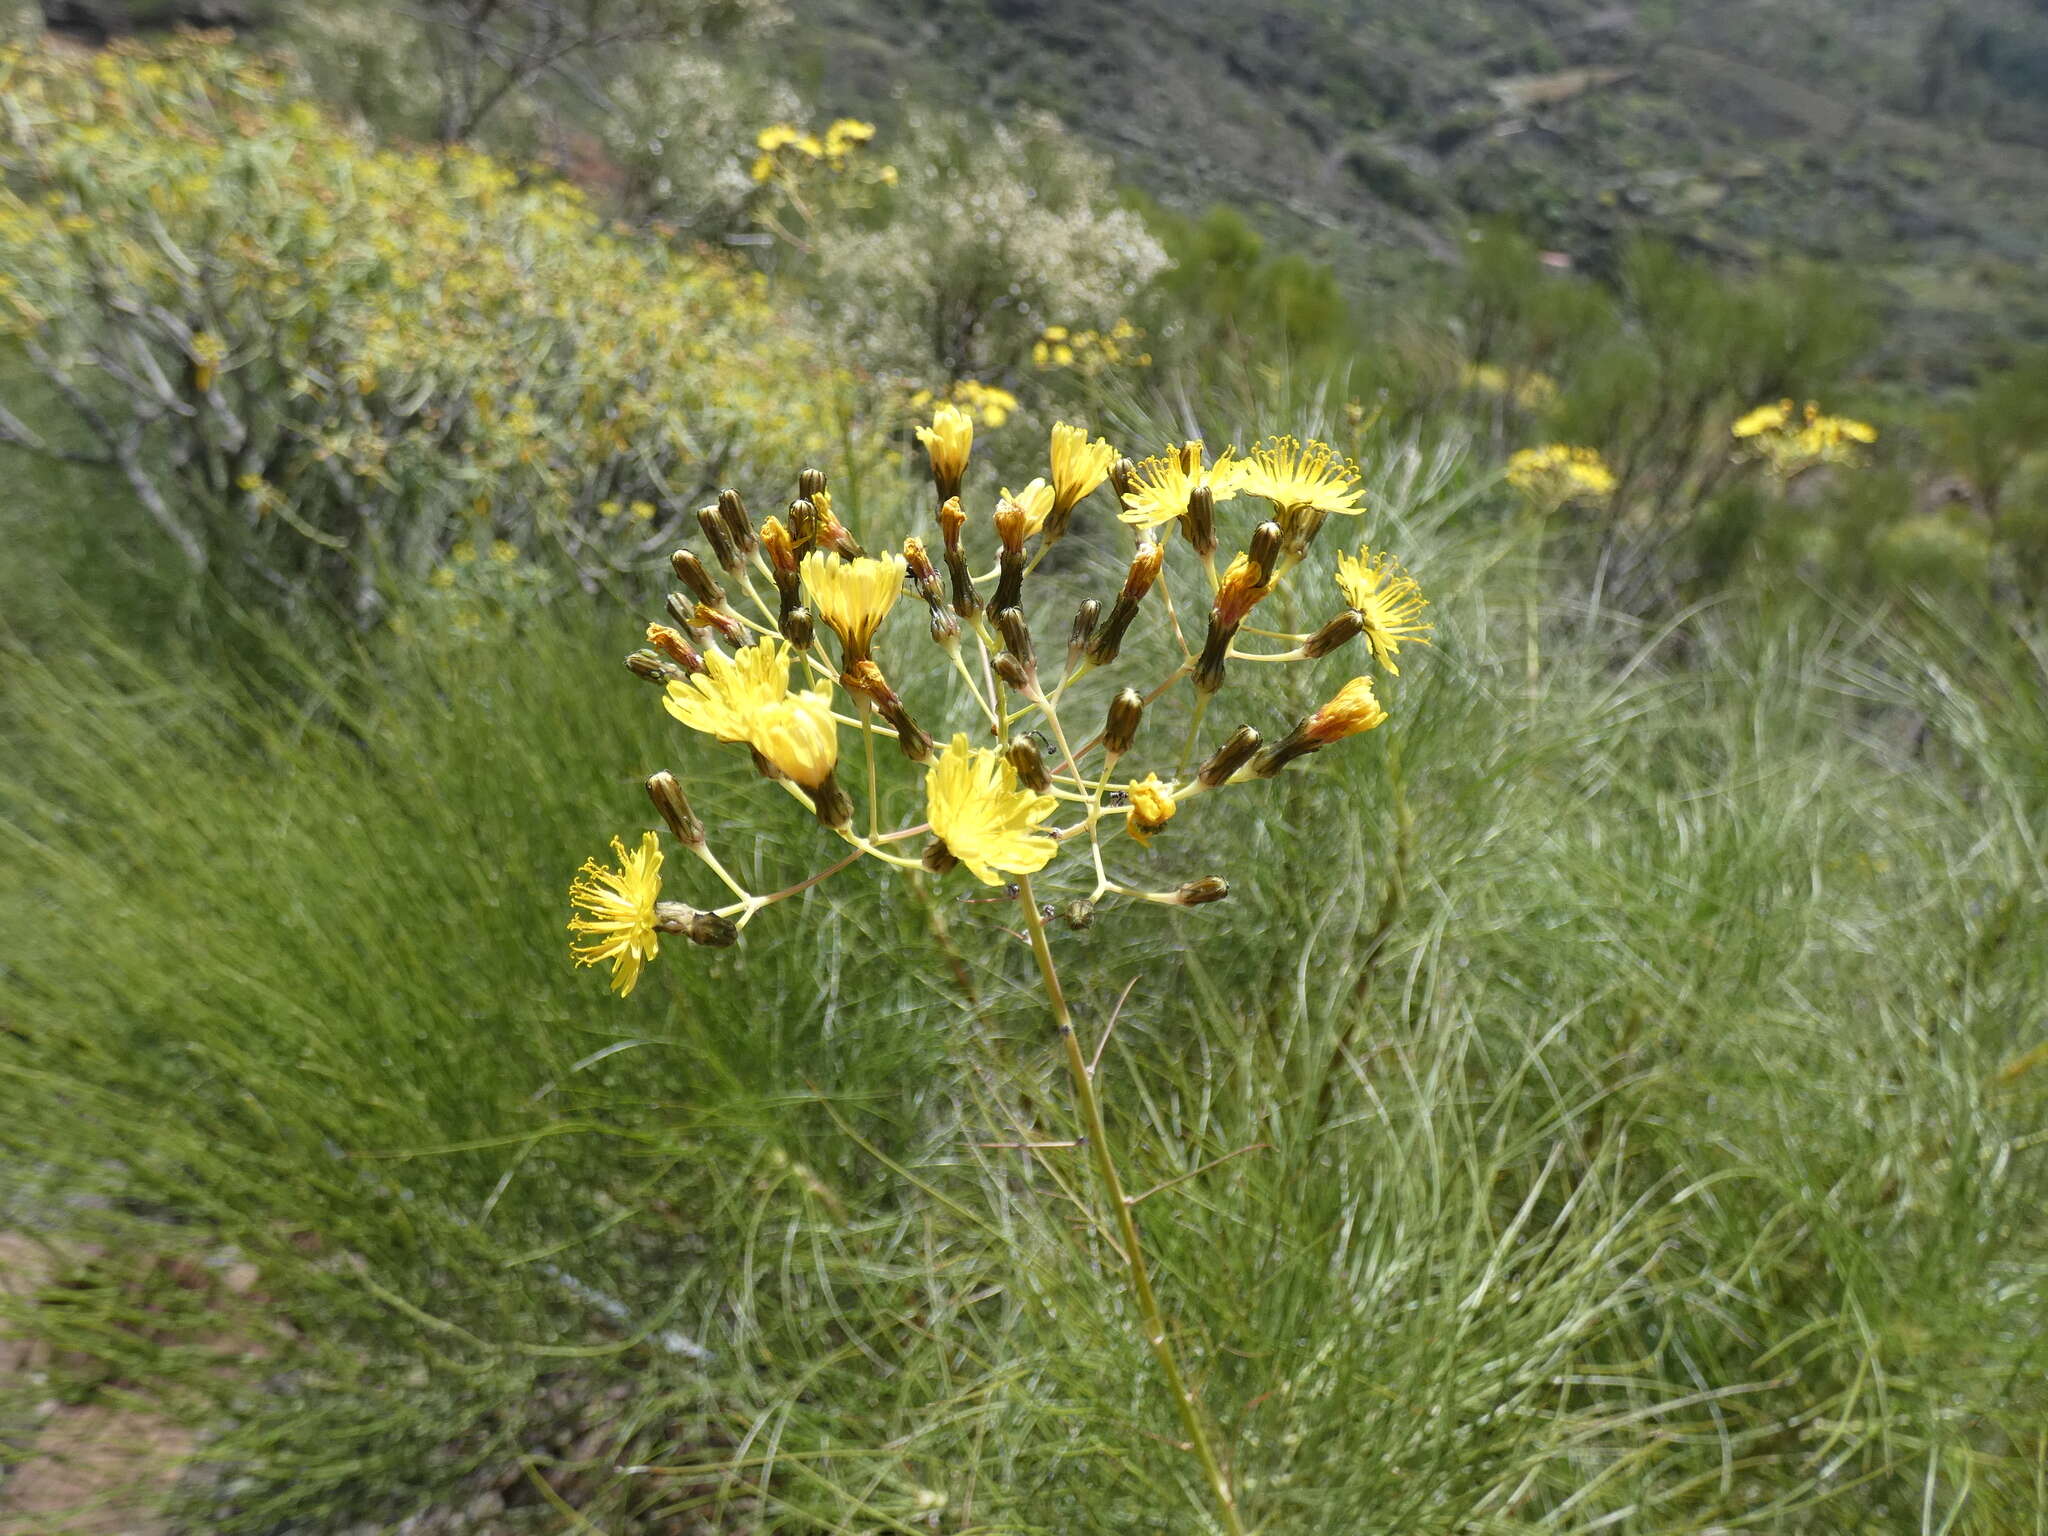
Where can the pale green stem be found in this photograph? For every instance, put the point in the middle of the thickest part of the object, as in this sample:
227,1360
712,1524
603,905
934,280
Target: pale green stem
1097,1134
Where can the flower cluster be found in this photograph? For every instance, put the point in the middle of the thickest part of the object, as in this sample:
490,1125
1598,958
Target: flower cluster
1790,440
787,152
1090,352
782,644
989,404
1558,473
1531,390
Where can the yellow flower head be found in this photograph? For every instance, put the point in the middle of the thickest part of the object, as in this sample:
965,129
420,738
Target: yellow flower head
986,819
1310,476
1355,708
1078,466
1792,443
799,736
1558,472
1035,501
1771,417
1161,486
724,699
776,136
853,596
948,440
1387,600
620,907
1152,807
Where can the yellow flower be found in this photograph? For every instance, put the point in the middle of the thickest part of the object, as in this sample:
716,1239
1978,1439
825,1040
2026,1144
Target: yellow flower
1035,501
1078,466
984,817
1152,807
799,736
1310,476
1161,486
776,136
1791,444
1355,708
1387,600
1557,473
620,903
726,698
1764,418
853,596
948,440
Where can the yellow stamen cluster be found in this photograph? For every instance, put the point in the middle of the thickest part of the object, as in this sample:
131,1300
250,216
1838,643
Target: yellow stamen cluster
1387,602
1297,476
619,904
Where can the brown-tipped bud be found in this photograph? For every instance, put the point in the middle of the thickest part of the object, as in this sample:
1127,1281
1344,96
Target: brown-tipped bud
795,624
681,609
1121,729
1198,893
1123,479
1016,635
1012,672
1078,914
966,602
1265,549
1145,568
911,738
650,668
669,799
738,526
1085,618
1013,523
691,573
1199,521
1029,762
1108,640
1333,634
945,627
677,649
809,482
952,518
803,525
1226,760
1009,580
719,537
924,576
938,858
1215,649
706,928
833,805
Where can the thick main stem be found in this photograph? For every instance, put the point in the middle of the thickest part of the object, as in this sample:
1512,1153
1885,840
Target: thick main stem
1127,1226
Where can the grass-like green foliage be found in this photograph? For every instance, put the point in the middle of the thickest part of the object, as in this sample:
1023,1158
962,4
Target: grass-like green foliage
1623,1064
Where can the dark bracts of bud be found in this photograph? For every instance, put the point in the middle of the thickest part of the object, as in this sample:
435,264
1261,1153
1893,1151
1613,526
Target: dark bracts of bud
803,526
1108,640
1016,635
719,537
1085,617
1012,672
1199,521
1078,914
650,668
1227,759
1299,527
795,623
832,804
938,858
706,928
700,582
911,739
1025,757
1209,665
724,621
1123,479
1009,580
951,520
1338,631
669,799
1297,743
739,527
1121,729
1264,549
1198,893
809,482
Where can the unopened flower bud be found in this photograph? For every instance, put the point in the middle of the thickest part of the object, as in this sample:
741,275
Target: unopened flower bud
719,537
809,482
691,573
1009,578
1012,672
1025,757
1226,760
1016,634
1200,892
725,621
1333,634
803,524
650,668
1265,549
1123,479
738,526
1145,566
706,928
966,602
795,624
669,799
1084,627
1125,711
1199,521
1078,914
